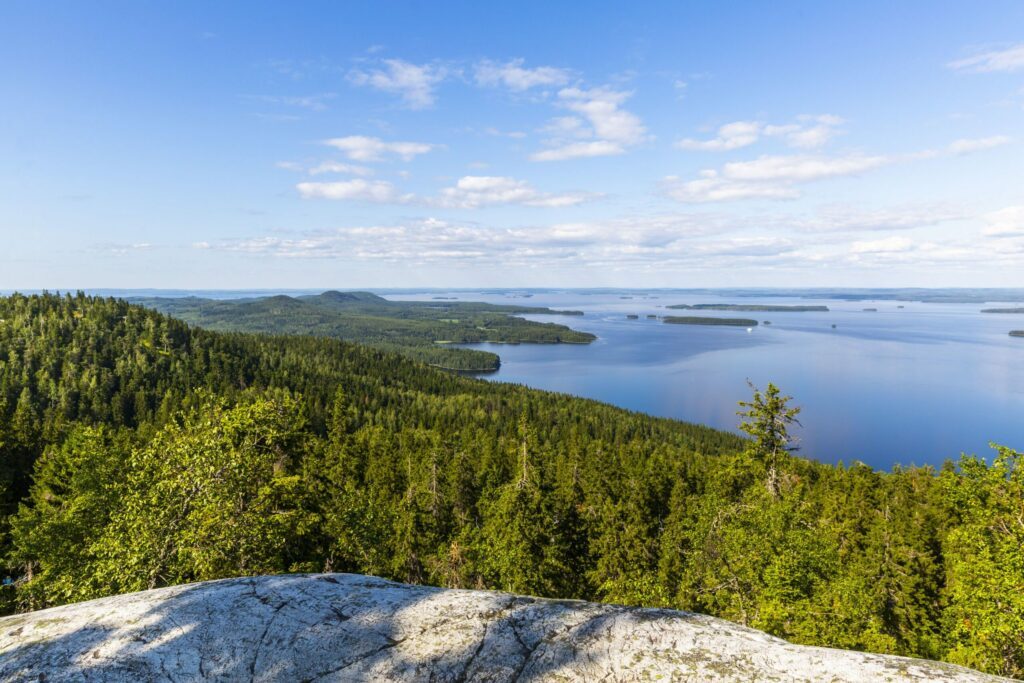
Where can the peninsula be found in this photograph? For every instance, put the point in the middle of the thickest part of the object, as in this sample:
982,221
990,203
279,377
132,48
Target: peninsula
421,330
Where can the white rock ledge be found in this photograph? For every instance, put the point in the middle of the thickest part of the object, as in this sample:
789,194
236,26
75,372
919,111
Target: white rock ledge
344,627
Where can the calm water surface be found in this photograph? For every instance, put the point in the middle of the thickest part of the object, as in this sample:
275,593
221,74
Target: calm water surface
917,384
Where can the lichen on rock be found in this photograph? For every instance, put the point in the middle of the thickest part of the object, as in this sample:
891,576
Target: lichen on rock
344,627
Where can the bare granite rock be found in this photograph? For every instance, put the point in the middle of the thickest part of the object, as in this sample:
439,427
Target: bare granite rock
343,627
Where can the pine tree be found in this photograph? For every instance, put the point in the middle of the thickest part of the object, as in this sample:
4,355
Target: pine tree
768,419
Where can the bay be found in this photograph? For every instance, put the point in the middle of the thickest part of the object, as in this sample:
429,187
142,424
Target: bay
909,383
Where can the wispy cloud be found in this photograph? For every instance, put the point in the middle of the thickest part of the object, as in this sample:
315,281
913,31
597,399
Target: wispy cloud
338,167
1008,222
514,76
698,240
1008,59
767,177
357,189
325,167
469,192
780,176
122,249
414,83
968,145
845,218
808,132
366,149
310,102
600,126
886,245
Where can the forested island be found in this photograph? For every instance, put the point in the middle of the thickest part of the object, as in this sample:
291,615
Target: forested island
417,329
1003,310
751,308
138,452
699,320
1017,333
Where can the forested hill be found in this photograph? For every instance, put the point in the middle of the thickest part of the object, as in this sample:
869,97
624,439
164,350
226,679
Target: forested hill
417,329
139,452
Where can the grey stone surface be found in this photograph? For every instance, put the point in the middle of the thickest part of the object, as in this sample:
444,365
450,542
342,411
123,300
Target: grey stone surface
343,627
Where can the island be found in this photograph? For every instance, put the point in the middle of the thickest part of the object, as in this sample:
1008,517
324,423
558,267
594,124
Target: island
632,316
751,308
698,320
871,310
1017,333
652,316
1002,310
421,330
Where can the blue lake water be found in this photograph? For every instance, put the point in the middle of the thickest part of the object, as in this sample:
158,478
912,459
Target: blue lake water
911,385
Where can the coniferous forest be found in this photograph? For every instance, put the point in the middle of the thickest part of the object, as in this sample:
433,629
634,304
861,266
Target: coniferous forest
138,452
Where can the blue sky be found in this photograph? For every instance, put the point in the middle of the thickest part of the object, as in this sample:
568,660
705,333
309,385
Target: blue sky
388,144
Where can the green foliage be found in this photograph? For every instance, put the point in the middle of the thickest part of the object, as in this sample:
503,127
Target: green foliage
138,452
768,419
704,320
750,308
416,329
217,495
985,617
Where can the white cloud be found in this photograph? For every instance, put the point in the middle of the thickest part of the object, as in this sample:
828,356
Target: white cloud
338,167
414,83
844,218
1009,59
1008,222
636,241
579,150
767,177
471,192
886,245
362,148
599,120
730,136
310,102
515,77
809,132
799,168
712,187
672,242
601,107
378,191
966,146
514,134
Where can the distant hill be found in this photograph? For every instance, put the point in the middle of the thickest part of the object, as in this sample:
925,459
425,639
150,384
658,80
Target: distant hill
417,329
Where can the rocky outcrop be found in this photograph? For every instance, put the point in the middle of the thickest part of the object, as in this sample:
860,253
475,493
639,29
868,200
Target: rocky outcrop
342,627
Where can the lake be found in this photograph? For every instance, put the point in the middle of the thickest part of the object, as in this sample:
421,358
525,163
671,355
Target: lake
911,385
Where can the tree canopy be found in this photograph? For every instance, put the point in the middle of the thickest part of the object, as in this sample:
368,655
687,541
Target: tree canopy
136,452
